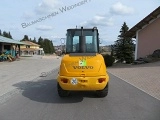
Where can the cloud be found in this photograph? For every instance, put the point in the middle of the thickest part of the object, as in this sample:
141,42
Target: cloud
43,8
99,20
107,19
44,28
47,6
28,15
120,9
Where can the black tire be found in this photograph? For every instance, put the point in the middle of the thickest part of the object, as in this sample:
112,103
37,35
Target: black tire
102,93
61,92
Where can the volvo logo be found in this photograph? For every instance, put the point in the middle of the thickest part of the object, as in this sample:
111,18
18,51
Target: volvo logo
83,67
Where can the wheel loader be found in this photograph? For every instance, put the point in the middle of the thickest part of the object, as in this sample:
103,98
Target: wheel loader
82,67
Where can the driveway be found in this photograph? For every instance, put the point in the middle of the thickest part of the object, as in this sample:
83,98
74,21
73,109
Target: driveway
24,95
39,100
26,69
145,77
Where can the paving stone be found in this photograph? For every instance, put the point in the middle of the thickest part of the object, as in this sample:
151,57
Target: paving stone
145,77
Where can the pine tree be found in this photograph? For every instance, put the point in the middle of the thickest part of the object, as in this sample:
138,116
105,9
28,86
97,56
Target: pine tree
51,47
9,35
25,38
0,32
47,45
34,41
40,42
123,47
5,34
53,50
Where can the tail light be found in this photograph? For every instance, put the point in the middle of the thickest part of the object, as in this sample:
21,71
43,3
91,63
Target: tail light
100,80
64,80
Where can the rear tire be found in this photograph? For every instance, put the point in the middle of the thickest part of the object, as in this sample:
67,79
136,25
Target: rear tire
102,93
61,92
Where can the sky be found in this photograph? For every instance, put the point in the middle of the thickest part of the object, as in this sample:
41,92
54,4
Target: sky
51,18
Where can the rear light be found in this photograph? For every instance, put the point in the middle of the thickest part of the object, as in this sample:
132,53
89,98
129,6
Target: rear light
100,80
64,80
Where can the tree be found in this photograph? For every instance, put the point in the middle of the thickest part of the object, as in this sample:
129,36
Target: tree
53,50
5,34
51,47
25,38
40,42
0,32
34,41
47,45
9,35
123,47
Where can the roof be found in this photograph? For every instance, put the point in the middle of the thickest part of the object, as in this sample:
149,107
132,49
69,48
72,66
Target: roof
153,15
30,43
8,40
85,29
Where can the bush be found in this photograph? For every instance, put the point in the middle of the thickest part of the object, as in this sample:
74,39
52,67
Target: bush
109,60
129,60
156,53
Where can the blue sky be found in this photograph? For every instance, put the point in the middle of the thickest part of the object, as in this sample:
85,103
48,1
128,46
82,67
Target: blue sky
107,15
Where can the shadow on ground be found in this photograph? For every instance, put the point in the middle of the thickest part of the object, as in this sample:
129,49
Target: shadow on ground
46,91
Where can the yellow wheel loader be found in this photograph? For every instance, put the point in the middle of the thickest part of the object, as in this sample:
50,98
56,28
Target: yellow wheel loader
82,67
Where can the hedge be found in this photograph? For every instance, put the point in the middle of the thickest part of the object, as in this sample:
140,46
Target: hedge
109,60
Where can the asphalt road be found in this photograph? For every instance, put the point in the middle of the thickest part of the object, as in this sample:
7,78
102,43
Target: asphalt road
38,100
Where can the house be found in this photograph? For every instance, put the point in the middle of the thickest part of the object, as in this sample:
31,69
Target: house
30,48
57,47
60,49
9,46
147,34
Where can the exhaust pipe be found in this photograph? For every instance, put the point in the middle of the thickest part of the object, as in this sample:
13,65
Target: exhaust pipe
82,42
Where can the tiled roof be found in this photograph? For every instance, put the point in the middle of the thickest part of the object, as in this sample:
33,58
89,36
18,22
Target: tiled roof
145,21
30,43
8,40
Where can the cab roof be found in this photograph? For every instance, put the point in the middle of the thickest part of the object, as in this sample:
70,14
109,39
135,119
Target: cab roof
94,28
